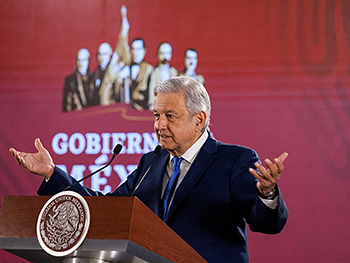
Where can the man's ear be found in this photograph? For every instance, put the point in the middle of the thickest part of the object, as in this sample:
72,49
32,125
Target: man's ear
200,120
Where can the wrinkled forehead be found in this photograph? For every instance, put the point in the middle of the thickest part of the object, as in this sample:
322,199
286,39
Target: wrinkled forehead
169,98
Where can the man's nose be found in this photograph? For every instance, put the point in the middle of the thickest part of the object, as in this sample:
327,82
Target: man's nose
162,123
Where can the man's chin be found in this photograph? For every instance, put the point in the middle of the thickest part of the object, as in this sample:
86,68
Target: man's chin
167,146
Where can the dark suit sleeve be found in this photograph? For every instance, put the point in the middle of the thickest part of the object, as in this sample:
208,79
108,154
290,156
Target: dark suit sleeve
266,220
127,188
60,180
244,195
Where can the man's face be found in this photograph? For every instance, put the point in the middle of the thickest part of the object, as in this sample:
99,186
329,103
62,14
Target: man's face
191,60
138,51
83,59
103,55
175,129
164,53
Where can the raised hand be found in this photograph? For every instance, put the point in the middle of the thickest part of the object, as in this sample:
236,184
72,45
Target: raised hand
39,163
125,23
268,177
123,11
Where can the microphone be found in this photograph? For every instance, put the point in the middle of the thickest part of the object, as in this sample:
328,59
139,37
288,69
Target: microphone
155,154
116,151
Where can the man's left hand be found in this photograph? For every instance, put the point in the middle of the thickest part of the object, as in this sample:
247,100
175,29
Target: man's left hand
268,177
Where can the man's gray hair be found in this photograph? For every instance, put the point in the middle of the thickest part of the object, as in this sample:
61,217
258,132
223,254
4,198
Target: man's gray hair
197,97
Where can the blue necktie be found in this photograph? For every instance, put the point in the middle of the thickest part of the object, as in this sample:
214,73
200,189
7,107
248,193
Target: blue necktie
170,187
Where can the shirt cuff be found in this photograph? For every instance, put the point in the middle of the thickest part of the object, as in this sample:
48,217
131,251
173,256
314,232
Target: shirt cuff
270,203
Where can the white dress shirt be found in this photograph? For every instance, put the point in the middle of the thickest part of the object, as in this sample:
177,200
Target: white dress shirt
188,158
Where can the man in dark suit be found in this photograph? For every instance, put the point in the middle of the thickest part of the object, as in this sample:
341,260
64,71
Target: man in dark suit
77,93
205,190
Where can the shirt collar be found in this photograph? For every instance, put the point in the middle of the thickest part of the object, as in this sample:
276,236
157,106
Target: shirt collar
192,152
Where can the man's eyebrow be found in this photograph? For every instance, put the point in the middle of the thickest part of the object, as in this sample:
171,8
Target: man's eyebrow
165,112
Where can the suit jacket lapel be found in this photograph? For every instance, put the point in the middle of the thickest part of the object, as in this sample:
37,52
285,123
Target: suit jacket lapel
149,191
196,171
159,172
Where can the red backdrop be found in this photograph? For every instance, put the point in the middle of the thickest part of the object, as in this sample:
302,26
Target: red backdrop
277,73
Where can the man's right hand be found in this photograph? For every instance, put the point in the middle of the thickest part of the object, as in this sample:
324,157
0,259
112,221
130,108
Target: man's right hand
39,163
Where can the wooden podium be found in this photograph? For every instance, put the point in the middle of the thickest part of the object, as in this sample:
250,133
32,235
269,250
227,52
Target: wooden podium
122,229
